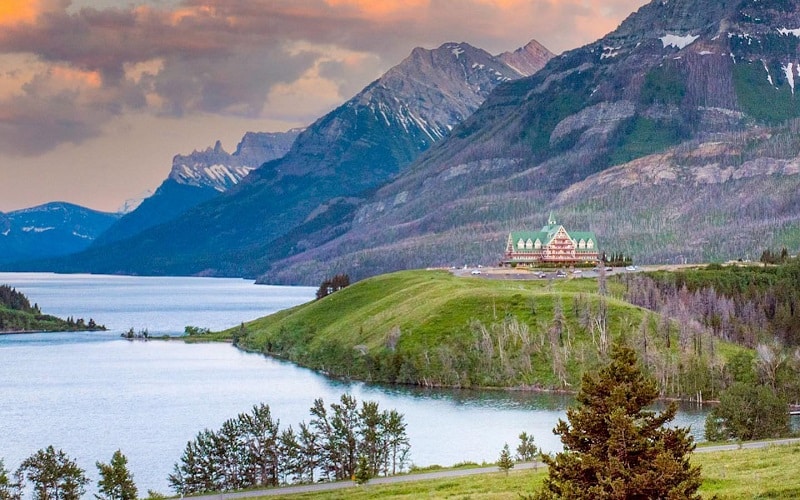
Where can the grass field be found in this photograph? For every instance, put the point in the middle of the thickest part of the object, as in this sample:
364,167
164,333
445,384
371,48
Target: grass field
431,328
740,474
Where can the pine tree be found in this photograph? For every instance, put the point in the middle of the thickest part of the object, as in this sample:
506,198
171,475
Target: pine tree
363,472
54,475
527,450
505,463
116,481
613,447
9,489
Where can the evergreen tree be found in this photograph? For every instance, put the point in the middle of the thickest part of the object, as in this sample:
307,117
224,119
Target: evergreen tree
9,489
116,481
527,451
363,470
505,463
613,447
54,475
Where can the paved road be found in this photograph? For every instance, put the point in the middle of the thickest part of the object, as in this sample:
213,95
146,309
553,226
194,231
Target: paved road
443,474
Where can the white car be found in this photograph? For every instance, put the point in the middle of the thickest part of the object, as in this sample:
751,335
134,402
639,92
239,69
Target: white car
631,268
475,271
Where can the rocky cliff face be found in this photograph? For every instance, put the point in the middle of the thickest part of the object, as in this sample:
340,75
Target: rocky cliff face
527,60
220,170
198,177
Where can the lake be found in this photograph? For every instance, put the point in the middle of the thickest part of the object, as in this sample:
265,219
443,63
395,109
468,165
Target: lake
93,393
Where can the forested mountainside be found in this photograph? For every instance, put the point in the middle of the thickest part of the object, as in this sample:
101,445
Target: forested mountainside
50,230
301,200
672,138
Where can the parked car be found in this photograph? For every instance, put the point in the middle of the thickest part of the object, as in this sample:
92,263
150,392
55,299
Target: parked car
475,271
541,275
631,268
561,274
577,272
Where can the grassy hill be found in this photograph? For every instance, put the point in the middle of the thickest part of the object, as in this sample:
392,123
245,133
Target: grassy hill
431,328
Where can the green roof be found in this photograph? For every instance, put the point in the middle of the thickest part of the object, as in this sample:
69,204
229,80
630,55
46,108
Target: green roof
547,233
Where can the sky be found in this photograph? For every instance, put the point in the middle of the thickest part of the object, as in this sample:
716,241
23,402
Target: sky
97,96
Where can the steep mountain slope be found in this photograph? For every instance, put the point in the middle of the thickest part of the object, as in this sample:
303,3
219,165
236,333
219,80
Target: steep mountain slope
677,72
50,230
198,177
310,191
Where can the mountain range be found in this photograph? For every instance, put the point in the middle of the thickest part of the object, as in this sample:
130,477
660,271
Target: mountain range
673,138
50,230
331,167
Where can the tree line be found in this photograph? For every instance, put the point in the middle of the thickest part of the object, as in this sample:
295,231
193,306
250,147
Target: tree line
251,450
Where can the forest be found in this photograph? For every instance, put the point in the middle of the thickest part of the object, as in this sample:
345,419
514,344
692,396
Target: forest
18,315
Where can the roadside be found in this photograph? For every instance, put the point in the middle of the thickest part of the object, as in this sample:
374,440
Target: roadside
452,473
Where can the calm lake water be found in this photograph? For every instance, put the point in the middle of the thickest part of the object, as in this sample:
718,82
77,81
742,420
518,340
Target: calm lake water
93,393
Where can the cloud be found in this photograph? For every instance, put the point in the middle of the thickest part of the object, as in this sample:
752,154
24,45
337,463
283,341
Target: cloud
77,67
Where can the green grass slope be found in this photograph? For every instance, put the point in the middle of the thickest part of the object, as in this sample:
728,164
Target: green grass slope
739,474
431,328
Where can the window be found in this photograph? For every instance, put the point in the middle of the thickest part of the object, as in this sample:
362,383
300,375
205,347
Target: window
538,244
582,244
521,243
590,244
529,244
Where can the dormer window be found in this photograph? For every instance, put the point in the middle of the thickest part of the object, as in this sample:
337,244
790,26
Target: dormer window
590,244
537,244
521,244
529,244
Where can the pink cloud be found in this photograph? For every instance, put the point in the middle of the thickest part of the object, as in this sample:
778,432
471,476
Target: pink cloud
235,57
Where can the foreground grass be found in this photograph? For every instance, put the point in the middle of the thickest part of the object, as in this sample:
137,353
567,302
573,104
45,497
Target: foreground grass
739,474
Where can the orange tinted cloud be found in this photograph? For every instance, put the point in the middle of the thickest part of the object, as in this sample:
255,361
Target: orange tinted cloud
26,11
380,9
16,11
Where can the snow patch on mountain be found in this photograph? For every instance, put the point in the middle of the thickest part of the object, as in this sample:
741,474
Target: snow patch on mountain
220,170
677,41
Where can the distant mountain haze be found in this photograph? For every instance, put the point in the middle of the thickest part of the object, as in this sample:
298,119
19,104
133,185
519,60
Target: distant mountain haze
50,230
310,195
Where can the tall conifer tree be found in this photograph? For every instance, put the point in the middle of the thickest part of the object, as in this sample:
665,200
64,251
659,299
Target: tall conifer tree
614,447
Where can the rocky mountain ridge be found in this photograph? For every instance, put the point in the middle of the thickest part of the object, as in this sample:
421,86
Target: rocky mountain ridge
675,74
216,168
300,200
199,177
